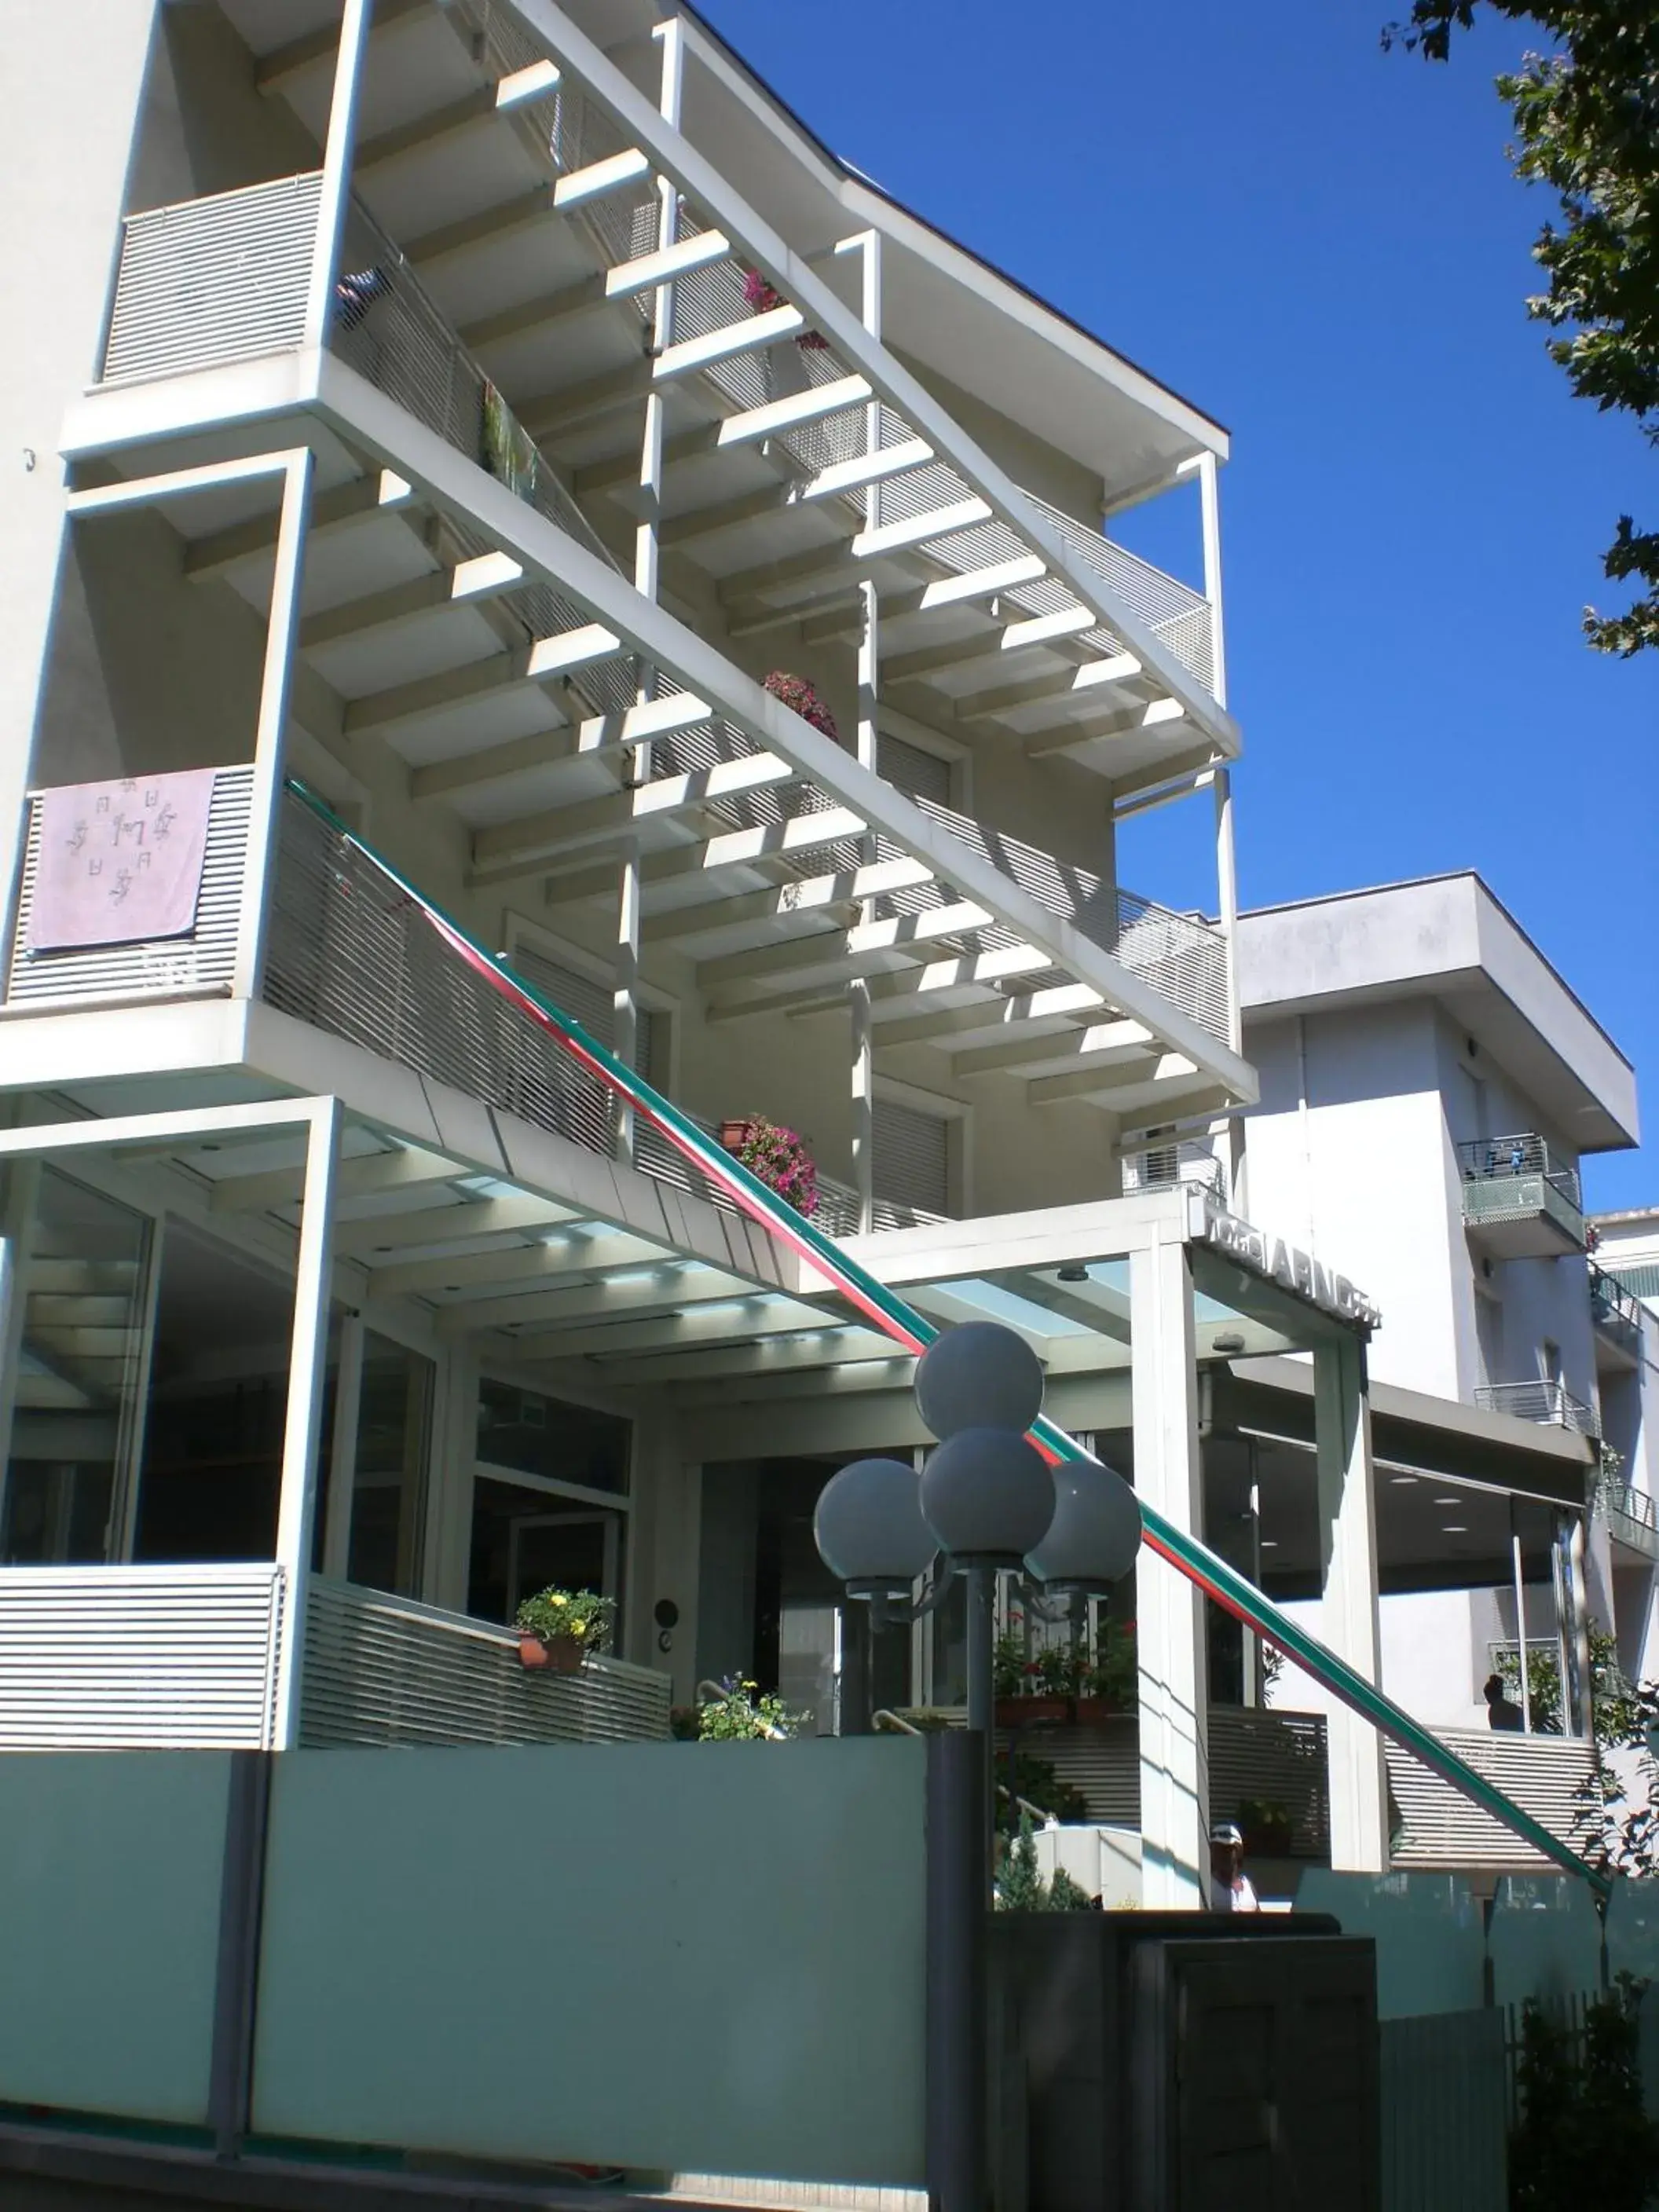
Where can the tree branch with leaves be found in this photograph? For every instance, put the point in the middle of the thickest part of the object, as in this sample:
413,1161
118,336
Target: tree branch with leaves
1587,126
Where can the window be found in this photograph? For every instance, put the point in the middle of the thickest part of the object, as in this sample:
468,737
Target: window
76,1407
542,1436
592,1003
912,1165
909,769
388,1491
526,1539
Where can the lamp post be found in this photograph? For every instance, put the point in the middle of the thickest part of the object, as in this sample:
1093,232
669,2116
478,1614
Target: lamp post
987,1503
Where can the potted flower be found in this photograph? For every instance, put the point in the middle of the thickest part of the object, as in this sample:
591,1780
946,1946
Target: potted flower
558,1628
763,297
738,1713
1029,1691
777,1157
799,695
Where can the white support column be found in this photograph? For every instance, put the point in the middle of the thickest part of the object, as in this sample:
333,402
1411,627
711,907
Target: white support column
1175,1859
867,246
16,1224
302,1430
335,195
342,1449
1349,1622
647,561
270,744
1226,862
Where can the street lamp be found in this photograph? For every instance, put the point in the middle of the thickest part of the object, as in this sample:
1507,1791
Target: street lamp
986,1502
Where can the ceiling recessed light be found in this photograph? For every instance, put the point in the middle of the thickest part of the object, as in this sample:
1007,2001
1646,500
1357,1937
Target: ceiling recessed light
1449,1501
1270,1543
1074,1274
1402,1478
1454,1529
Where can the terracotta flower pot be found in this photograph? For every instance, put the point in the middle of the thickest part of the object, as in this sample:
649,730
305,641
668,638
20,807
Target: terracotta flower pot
735,1133
562,1654
1092,1711
1029,1712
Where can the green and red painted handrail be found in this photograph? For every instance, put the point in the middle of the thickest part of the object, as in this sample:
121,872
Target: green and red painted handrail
872,1299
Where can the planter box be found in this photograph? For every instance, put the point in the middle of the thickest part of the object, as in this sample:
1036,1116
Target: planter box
1032,1712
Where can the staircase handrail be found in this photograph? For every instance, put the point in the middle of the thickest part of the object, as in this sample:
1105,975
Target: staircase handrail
889,1313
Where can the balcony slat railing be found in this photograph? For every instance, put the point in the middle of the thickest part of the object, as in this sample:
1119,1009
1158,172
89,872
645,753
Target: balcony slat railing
1439,1827
1551,1403
1178,1163
380,1669
113,1658
201,964
209,282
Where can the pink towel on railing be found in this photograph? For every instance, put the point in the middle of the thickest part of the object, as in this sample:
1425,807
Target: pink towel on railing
120,863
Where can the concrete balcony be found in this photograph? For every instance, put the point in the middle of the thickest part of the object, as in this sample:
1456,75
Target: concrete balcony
1520,1202
1632,1517
1552,1403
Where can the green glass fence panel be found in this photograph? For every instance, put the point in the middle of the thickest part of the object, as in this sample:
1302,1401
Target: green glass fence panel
1442,2091
1430,1934
704,1958
1633,1929
109,1878
1545,1940
870,1296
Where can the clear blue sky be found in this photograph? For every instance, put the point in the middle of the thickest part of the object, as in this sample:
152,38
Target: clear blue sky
1323,248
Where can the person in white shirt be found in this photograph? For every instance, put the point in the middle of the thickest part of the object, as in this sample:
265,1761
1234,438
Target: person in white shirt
1230,1889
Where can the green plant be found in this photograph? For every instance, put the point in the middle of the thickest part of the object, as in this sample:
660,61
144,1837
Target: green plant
1115,1675
1035,1781
1065,1895
743,1713
1616,1702
1022,1888
1582,2137
1011,1671
583,1614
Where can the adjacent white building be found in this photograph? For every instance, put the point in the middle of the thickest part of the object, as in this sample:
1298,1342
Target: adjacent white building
1429,1086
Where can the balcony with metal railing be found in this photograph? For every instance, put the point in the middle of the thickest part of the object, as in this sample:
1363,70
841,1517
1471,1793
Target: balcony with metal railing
1616,1319
1181,1162
1520,1199
1539,1399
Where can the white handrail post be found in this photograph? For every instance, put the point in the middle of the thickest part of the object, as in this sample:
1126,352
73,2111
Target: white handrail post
265,797
647,562
336,195
303,1428
867,245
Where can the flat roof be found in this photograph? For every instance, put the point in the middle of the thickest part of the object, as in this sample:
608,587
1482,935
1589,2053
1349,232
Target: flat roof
1451,938
946,309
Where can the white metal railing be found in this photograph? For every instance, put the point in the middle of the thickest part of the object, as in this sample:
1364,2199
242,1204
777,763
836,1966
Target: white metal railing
1614,1306
110,1658
1552,1403
1181,1162
380,1669
1630,1515
209,282
203,964
1439,1827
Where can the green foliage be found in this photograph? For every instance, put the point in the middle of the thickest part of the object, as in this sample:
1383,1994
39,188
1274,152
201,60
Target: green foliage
582,1614
1616,1704
1066,1670
1582,2138
1587,127
1036,1781
1022,1888
742,1714
1065,1895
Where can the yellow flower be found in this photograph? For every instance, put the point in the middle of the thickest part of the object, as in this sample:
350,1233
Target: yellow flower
554,1598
